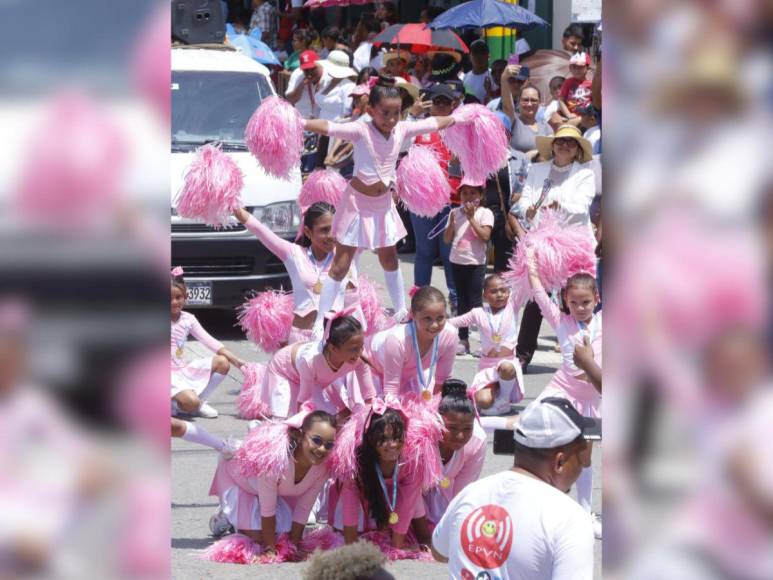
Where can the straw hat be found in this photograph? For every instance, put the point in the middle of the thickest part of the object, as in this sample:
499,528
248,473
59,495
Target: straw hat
393,54
409,87
545,144
337,65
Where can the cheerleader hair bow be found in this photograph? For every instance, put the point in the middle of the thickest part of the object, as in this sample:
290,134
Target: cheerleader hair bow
380,406
177,271
296,421
330,317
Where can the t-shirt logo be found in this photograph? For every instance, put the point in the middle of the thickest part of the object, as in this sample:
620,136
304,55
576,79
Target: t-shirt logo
487,535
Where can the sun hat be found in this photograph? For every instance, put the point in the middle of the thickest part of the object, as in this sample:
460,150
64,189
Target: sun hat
393,54
409,87
550,423
337,65
444,66
545,144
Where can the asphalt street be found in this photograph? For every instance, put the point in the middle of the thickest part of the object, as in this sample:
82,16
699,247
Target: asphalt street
193,465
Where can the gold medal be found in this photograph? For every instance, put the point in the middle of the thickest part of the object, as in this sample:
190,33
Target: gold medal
444,483
426,395
496,338
179,352
317,288
393,518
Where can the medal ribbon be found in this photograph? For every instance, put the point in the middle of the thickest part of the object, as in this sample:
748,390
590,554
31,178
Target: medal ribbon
590,329
381,480
490,316
426,385
314,263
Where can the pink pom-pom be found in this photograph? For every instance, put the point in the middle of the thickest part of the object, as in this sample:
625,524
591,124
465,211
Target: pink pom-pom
324,538
383,541
233,549
212,187
421,183
423,435
274,135
250,403
343,457
266,319
560,251
478,139
367,291
285,550
322,185
266,451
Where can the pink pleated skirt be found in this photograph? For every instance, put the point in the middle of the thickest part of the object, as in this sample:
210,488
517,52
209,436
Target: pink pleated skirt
488,373
193,375
367,222
583,395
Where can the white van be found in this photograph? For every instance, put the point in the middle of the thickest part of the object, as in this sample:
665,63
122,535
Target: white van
215,90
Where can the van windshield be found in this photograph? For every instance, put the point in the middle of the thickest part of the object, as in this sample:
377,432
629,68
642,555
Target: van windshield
214,106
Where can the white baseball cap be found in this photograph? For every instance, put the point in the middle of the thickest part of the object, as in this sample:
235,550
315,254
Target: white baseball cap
550,423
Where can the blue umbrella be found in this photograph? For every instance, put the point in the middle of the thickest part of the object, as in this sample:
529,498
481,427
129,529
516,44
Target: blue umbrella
487,13
252,46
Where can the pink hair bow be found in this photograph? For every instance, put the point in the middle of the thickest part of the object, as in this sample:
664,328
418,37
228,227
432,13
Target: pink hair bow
329,318
296,420
471,394
380,406
177,271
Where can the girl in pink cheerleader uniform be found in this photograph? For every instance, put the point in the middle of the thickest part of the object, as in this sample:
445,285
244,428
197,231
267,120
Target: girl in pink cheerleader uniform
462,451
578,329
416,357
382,495
193,382
367,217
300,372
499,381
270,485
307,264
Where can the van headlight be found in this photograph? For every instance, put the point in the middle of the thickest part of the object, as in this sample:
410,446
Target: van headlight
282,218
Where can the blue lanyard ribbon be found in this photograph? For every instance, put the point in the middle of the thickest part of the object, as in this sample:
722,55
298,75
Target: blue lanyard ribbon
314,262
426,385
589,328
394,485
490,315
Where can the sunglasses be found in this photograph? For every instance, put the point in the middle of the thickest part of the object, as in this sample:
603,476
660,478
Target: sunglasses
442,102
568,141
319,442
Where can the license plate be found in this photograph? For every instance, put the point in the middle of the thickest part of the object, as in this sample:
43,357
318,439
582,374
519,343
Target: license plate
199,293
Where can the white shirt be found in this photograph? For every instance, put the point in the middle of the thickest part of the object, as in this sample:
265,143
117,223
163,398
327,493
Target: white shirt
335,104
304,104
593,135
475,84
361,56
515,527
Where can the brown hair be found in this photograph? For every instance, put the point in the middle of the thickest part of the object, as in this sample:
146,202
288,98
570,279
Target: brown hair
579,280
426,295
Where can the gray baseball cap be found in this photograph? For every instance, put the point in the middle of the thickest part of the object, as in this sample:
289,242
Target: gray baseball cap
552,422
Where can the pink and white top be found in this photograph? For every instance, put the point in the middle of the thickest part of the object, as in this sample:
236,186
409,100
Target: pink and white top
569,332
502,324
313,377
467,248
304,270
302,494
408,495
393,357
465,465
375,157
181,328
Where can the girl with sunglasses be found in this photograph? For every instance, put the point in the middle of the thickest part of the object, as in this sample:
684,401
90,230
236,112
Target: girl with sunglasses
273,480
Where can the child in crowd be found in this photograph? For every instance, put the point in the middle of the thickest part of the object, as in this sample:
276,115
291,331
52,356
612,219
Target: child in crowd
552,107
469,226
576,90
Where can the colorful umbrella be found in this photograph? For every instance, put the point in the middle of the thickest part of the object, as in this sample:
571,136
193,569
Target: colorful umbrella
485,14
418,37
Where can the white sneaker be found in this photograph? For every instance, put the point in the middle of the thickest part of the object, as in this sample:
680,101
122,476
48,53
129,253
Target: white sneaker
596,524
219,524
207,411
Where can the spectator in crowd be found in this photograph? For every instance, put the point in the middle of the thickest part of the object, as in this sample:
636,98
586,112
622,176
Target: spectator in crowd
572,38
396,65
290,19
522,523
301,41
362,40
333,98
494,87
331,40
525,126
551,107
589,126
445,66
386,14
516,82
264,18
478,80
576,90
305,82
445,98
364,75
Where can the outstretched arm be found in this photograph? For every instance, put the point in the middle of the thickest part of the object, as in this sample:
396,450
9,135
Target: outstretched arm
316,126
281,248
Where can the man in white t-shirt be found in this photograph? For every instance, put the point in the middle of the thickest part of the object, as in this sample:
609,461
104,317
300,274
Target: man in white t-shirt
522,524
305,83
478,81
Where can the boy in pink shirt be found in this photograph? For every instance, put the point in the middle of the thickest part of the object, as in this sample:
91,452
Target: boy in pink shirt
469,226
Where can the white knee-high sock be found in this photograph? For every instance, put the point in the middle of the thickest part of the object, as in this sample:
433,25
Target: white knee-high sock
489,424
585,488
505,388
396,288
331,288
214,381
196,434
